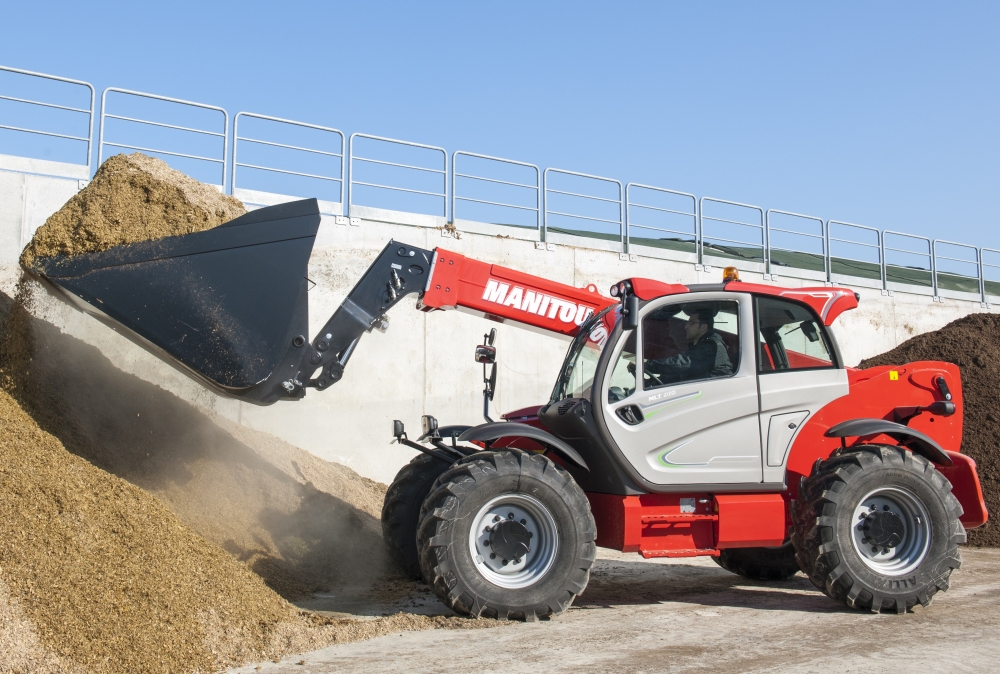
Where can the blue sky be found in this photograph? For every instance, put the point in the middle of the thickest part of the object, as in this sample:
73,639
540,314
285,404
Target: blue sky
882,113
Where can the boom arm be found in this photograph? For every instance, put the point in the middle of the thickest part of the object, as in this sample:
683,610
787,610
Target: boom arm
446,280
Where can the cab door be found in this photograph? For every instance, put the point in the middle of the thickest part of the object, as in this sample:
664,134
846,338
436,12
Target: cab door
798,375
679,424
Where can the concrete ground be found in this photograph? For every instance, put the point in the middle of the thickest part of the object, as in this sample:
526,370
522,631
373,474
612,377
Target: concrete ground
689,615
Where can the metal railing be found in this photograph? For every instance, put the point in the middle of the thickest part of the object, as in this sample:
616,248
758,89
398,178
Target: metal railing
588,199
88,139
991,286
443,172
224,134
682,238
908,274
797,258
456,197
725,247
846,248
846,264
339,179
946,279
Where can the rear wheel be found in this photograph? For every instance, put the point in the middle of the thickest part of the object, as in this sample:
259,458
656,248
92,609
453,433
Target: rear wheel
507,535
877,527
401,510
760,563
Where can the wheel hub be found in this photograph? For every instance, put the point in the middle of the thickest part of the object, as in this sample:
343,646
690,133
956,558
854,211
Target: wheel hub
513,540
891,531
884,528
510,539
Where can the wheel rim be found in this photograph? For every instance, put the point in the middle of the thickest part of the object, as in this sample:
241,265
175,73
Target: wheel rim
499,526
891,531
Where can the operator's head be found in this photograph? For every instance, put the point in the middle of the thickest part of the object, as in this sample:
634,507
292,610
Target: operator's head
698,324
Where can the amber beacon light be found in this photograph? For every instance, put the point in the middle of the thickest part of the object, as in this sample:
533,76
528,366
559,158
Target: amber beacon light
730,274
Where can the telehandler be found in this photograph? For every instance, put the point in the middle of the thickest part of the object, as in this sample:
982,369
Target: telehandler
686,420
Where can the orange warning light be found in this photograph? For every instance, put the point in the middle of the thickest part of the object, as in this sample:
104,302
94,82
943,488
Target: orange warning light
730,274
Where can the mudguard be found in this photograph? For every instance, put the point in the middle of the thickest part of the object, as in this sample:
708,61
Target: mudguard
912,439
506,429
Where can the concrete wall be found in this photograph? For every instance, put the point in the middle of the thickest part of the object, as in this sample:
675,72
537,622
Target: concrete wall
423,364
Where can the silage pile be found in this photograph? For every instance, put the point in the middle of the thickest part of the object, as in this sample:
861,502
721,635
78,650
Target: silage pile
160,541
132,198
972,343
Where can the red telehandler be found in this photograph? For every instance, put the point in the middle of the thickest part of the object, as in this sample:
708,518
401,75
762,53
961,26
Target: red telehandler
686,420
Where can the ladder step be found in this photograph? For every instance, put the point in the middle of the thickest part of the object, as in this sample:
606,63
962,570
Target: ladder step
698,552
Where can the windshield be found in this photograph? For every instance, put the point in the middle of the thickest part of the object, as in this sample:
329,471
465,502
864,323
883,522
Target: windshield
577,373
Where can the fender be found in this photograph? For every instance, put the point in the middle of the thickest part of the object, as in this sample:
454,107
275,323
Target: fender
912,439
506,429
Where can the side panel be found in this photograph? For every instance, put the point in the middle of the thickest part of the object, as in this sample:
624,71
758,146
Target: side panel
750,520
791,397
875,393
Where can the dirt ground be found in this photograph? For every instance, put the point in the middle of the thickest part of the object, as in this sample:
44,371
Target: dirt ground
689,615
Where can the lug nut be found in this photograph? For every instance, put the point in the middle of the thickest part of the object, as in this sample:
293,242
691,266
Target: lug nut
486,543
505,562
496,518
493,555
524,521
510,516
517,561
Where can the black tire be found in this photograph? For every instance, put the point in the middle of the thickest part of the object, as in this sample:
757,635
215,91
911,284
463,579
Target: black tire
760,563
563,557
828,526
401,510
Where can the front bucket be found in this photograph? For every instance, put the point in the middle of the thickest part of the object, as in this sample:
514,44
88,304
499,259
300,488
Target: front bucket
224,305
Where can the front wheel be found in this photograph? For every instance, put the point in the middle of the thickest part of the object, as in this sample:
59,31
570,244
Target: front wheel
507,535
877,527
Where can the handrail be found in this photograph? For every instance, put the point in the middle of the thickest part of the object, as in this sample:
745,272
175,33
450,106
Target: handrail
224,135
884,244
545,202
977,263
693,214
456,174
352,157
821,236
701,227
89,139
237,138
929,255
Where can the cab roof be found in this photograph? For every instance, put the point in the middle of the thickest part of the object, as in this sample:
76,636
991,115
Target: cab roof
828,302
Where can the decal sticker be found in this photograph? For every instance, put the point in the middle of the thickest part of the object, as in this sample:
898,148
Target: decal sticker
893,375
536,303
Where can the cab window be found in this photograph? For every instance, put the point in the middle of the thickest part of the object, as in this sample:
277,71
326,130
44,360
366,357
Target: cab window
690,341
789,337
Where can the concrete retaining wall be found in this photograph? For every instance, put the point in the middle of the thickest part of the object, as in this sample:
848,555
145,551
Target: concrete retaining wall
424,363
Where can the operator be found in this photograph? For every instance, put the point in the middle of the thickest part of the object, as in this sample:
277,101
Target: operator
706,354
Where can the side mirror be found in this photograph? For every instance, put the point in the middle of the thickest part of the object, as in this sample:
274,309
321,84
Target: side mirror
397,429
630,312
486,354
809,330
492,337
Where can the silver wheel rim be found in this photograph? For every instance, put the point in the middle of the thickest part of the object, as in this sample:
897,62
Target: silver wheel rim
915,539
541,527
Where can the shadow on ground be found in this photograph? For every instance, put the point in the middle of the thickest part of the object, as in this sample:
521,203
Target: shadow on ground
625,582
